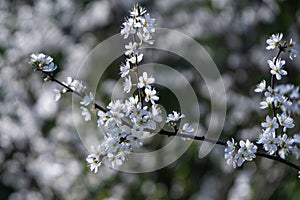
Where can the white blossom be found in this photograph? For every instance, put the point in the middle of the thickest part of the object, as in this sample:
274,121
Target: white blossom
267,103
49,68
273,41
174,117
148,23
230,152
127,85
131,49
285,121
42,62
86,113
151,95
270,124
94,160
261,87
186,129
276,67
297,138
87,99
137,11
102,118
73,84
57,94
125,69
286,145
269,141
248,150
145,80
146,37
154,117
128,28
292,52
136,59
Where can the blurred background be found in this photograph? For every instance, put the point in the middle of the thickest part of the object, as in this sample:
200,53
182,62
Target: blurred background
41,154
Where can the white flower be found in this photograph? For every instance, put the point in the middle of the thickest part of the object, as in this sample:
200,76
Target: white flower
102,118
42,62
139,116
73,84
151,95
297,138
137,11
134,140
273,41
34,58
49,68
269,142
127,84
148,23
295,151
131,49
87,99
57,94
145,81
267,103
230,152
298,174
116,106
286,145
125,69
186,129
261,87
131,103
94,160
276,69
154,117
114,160
136,59
145,36
292,53
285,121
248,150
128,28
270,124
295,93
174,117
86,113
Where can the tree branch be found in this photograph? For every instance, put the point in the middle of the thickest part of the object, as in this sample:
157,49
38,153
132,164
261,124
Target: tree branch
175,134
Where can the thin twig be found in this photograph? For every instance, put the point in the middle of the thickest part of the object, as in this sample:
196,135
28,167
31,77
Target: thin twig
52,78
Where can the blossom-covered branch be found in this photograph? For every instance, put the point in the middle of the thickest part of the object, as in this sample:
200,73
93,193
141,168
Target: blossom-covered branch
283,101
142,113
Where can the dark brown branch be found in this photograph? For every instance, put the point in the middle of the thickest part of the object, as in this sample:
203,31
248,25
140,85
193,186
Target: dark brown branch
277,158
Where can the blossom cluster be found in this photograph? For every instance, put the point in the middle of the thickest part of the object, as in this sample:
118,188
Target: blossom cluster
236,155
45,64
42,62
283,101
126,121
